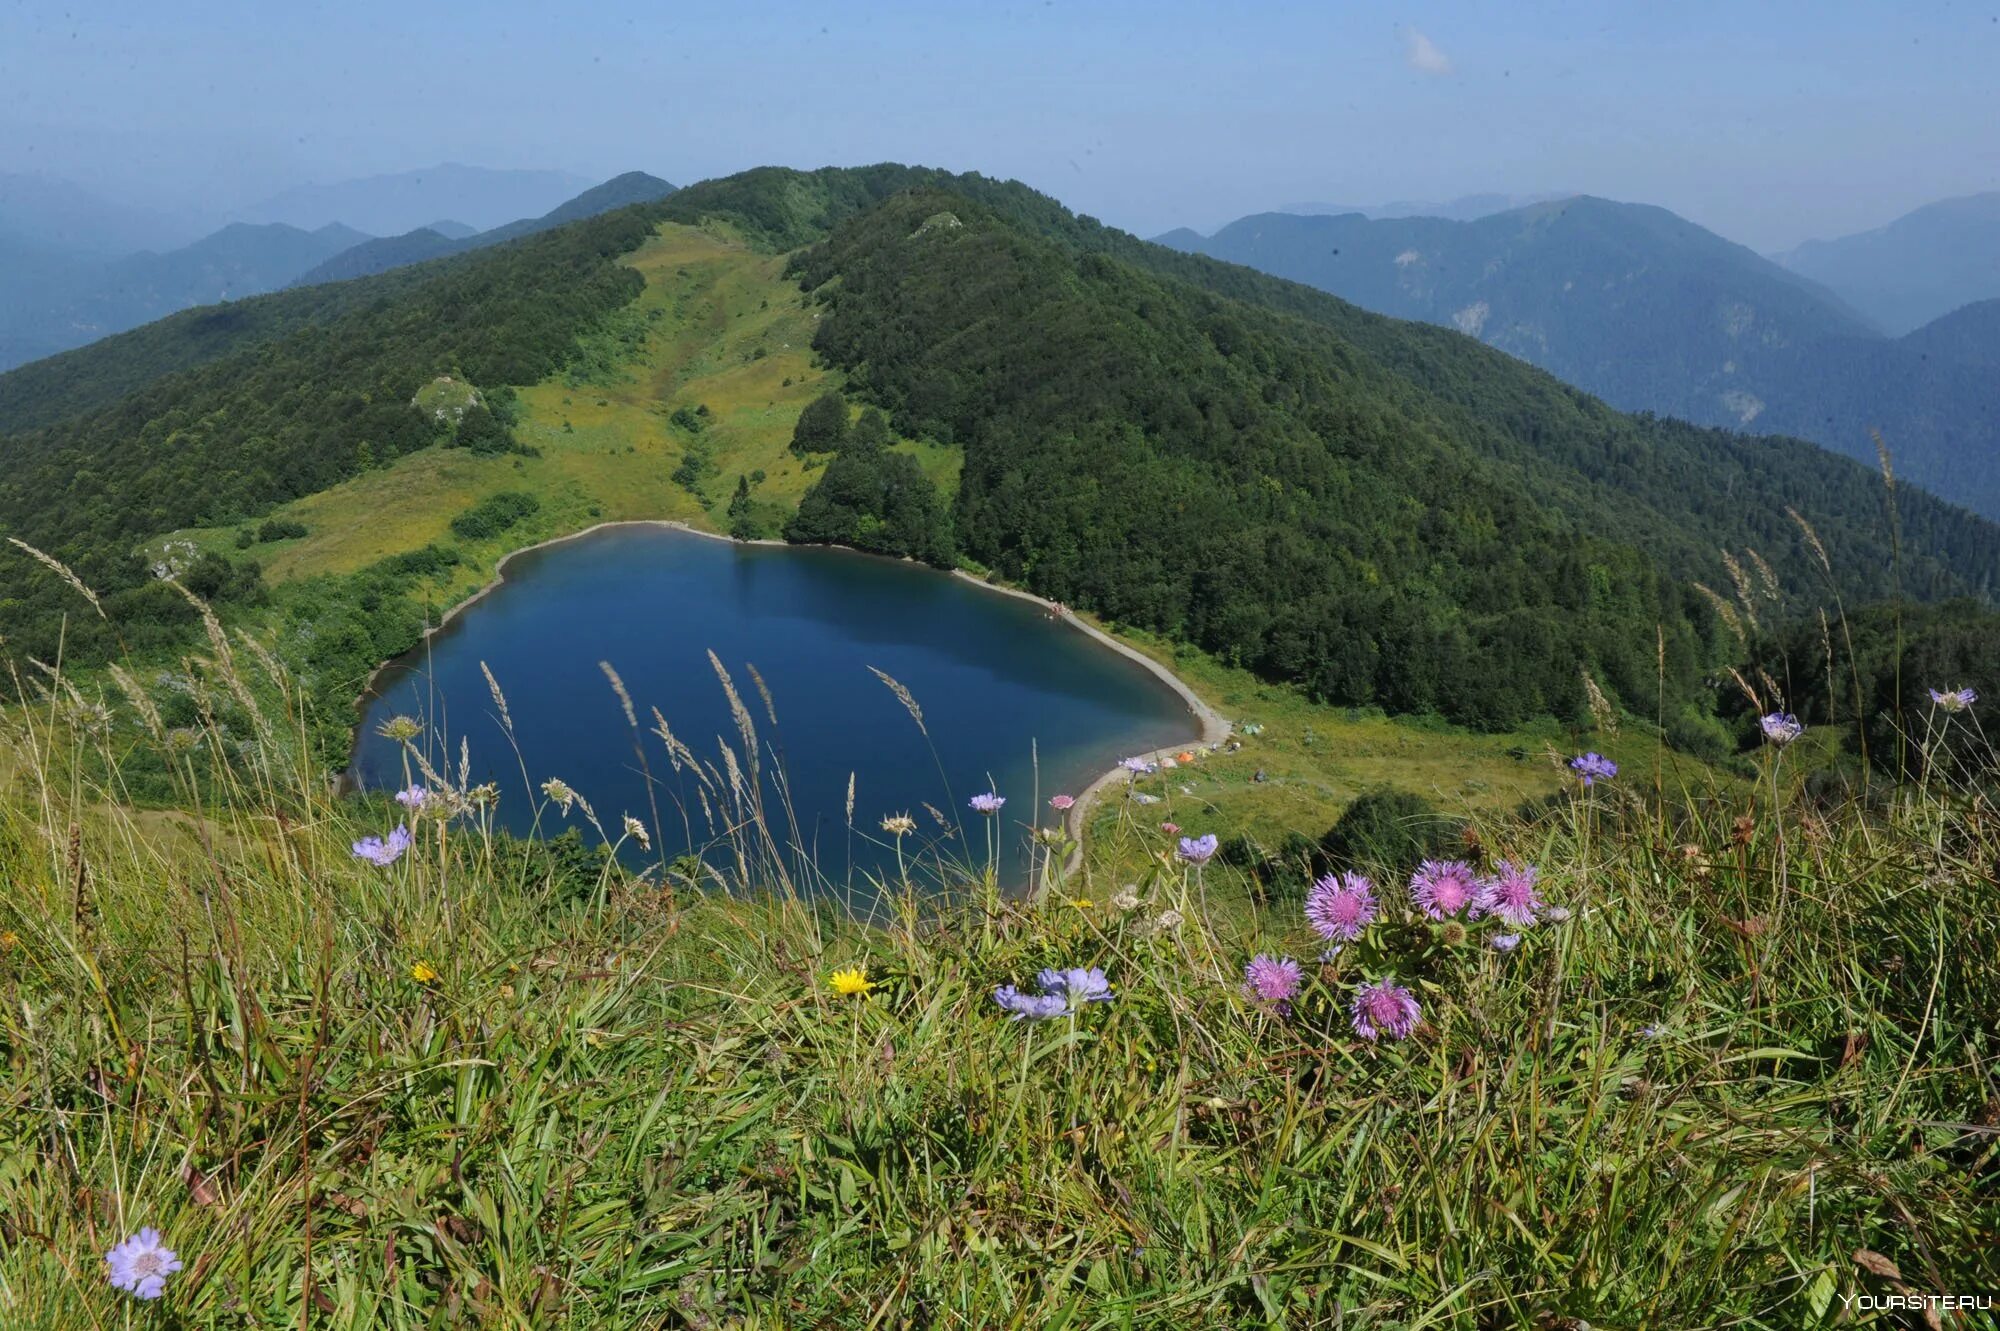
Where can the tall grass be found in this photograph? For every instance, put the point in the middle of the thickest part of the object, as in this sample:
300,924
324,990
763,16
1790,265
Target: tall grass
1750,1077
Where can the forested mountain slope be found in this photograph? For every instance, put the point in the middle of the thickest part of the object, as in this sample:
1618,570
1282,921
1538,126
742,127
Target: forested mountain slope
1383,512
1654,314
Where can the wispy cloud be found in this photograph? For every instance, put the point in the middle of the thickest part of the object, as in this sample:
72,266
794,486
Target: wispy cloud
1424,56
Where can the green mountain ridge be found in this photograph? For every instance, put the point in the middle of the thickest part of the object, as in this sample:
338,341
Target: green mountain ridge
1383,512
1653,314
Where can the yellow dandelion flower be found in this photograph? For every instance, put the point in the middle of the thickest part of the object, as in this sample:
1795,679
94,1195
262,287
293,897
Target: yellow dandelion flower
9,940
422,973
851,981
1082,903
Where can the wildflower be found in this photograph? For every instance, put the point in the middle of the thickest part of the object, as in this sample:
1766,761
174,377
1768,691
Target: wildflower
1385,1008
1168,921
1082,903
637,831
1652,1032
851,981
1127,900
1506,942
1592,767
141,1264
899,824
1031,1007
1512,896
1444,888
1198,850
1170,829
987,803
483,796
412,797
559,791
1077,983
422,973
1954,700
382,852
1781,728
9,940
402,729
1062,803
1273,980
1340,908
1136,765
1556,914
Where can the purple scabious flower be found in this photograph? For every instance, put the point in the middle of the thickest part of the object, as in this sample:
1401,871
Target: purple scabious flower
1385,1008
1272,980
1030,1007
1136,765
1198,849
1077,984
1506,942
1444,888
382,852
987,803
1593,767
1511,895
141,1264
1954,700
412,798
1340,908
1781,728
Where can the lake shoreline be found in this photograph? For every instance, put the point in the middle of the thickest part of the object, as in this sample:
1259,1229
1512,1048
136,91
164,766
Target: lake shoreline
1213,726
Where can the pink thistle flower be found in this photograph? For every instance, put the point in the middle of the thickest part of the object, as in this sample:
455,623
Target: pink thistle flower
1170,829
1445,888
1340,908
1062,803
1272,980
1385,1008
1512,896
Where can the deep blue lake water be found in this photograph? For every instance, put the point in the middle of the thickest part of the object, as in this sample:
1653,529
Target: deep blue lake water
1013,701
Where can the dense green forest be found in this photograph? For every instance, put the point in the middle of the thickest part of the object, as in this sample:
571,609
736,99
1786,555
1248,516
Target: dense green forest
1435,529
1387,513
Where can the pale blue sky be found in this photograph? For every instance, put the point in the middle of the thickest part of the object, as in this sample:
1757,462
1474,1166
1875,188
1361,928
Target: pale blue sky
1769,121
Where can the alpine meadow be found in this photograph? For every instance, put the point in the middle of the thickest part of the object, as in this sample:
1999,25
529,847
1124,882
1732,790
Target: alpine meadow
1326,823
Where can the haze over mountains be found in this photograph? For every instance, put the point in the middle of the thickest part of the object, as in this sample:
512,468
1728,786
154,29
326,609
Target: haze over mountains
389,205
1918,268
53,298
1653,313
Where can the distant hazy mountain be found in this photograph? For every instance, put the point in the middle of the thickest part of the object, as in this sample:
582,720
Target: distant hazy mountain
65,218
50,304
379,256
1970,335
1653,313
1465,208
393,204
1919,267
451,230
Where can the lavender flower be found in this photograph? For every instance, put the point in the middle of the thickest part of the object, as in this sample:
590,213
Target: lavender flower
1198,850
1506,942
383,853
1443,889
412,798
141,1264
1592,767
1340,908
1272,980
1781,728
1078,984
1063,992
987,803
1136,765
1512,896
1385,1008
1954,700
1030,1007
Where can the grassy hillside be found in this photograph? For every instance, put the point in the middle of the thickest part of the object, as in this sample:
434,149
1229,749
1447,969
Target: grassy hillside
1732,1075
